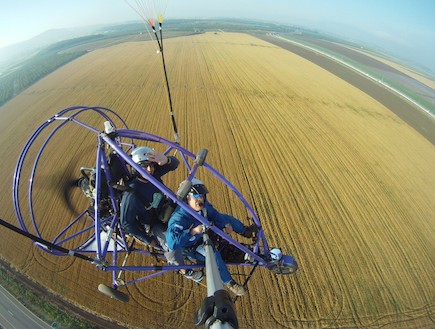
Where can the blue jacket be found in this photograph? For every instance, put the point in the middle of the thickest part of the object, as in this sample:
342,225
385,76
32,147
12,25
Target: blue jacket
181,222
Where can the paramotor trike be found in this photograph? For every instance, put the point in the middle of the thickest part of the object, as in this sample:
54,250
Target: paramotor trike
97,231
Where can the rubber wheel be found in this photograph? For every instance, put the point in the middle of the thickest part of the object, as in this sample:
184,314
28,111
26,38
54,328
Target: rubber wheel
283,269
200,158
184,189
113,293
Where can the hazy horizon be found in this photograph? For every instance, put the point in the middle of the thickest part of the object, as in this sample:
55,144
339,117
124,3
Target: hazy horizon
401,28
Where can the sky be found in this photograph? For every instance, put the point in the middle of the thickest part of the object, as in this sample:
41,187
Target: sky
405,28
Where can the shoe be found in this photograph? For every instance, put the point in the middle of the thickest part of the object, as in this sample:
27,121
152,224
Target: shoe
196,276
248,258
236,288
250,231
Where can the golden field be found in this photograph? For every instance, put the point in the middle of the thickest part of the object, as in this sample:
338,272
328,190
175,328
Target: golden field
337,180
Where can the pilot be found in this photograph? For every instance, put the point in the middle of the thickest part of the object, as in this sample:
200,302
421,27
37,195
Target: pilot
185,232
142,204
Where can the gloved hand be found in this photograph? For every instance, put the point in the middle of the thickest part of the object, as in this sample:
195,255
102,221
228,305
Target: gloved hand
250,231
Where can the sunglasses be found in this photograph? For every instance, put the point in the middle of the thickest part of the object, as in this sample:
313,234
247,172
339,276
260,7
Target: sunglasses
196,195
147,164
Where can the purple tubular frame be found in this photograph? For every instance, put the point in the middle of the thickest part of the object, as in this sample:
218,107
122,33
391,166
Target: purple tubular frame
106,232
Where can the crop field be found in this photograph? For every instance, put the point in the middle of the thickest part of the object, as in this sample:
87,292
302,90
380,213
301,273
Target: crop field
337,180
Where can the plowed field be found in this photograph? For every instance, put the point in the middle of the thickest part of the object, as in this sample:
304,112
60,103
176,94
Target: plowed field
337,179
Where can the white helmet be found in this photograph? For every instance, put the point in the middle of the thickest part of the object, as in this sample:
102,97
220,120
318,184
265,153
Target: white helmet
198,187
140,154
275,254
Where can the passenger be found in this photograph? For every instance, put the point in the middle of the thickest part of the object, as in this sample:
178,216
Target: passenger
185,232
142,202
